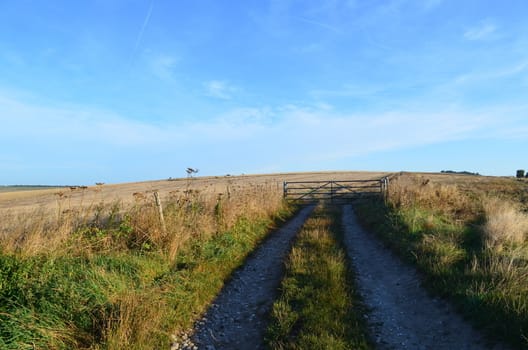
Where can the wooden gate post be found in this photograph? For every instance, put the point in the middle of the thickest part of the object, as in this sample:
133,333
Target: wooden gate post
384,188
160,212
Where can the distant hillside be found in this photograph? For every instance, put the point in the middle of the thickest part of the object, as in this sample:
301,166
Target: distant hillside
13,188
458,172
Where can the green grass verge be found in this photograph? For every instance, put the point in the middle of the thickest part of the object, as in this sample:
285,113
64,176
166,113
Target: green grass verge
122,298
317,308
490,289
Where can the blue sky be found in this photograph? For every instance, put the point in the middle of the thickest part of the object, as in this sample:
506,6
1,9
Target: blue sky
126,90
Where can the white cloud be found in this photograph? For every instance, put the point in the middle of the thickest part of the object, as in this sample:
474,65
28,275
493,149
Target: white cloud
36,122
497,72
514,69
162,65
243,138
288,125
352,91
485,30
332,135
219,89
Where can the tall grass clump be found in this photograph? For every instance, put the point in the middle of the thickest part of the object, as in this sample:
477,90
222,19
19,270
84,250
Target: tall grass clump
107,276
469,244
318,307
505,223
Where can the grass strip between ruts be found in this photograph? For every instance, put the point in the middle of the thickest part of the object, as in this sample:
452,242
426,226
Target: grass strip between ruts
317,307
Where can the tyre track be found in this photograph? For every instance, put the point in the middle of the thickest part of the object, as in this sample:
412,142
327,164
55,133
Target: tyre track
237,319
403,315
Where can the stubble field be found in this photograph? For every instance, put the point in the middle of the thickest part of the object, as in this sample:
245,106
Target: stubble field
124,193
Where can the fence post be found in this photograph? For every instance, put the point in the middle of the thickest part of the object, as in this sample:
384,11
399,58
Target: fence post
284,189
160,212
384,188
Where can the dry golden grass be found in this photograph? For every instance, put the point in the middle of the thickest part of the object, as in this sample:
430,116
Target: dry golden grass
468,235
138,318
33,222
189,214
131,261
505,223
30,234
108,193
422,191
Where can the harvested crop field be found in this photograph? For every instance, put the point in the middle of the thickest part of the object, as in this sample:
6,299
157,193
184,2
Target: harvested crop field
127,193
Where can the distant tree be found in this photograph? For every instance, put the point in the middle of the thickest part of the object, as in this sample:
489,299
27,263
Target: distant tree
520,173
191,171
459,172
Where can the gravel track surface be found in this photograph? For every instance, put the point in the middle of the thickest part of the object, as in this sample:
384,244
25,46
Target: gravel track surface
237,319
403,315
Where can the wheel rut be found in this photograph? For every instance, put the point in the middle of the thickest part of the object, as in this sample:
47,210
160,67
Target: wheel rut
237,319
402,315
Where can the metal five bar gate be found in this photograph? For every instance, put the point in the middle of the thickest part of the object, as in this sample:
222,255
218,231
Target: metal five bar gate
310,191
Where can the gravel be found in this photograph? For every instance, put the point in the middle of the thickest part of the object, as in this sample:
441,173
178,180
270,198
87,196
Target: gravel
402,314
237,319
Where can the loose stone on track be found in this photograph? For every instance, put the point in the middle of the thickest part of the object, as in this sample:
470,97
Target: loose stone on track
403,315
237,319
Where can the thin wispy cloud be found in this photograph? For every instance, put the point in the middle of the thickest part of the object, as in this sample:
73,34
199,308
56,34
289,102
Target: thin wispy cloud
219,89
483,31
320,24
285,125
497,73
351,90
514,69
139,37
144,26
63,125
163,65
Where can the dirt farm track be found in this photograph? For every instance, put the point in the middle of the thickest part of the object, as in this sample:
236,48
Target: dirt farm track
108,193
399,312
